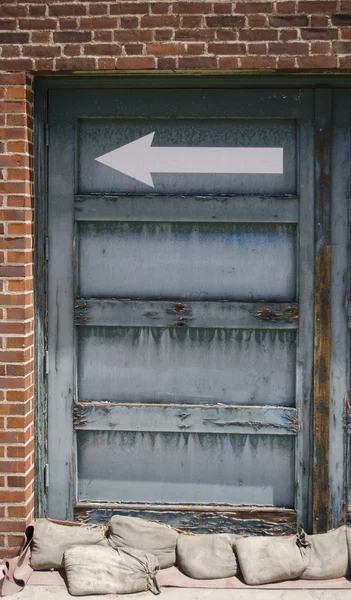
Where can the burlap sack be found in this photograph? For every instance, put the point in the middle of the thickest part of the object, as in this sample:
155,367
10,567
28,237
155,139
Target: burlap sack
98,570
266,560
50,540
327,555
156,538
208,556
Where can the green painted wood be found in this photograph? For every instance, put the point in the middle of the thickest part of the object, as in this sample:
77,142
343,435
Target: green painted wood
239,315
205,419
235,209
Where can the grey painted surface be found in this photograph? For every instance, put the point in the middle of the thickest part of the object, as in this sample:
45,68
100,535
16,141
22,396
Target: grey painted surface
197,366
183,467
187,261
238,315
340,278
99,416
97,137
203,364
236,209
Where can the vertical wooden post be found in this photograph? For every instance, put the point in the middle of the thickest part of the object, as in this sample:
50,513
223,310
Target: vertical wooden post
322,309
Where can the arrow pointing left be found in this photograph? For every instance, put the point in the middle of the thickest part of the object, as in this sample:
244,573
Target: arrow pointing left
139,159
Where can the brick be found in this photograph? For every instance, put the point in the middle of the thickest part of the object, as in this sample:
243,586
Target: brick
319,34
287,8
98,9
225,21
288,21
166,64
68,24
106,63
67,10
165,49
8,24
227,35
102,49
258,62
159,8
296,48
98,23
75,64
198,8
129,22
141,62
163,35
228,62
191,22
42,51
258,35
319,21
256,21
11,526
130,8
288,35
224,8
317,62
253,7
103,36
341,20
72,37
14,38
157,22
37,24
201,62
16,64
193,35
10,10
217,48
314,6
260,48
196,49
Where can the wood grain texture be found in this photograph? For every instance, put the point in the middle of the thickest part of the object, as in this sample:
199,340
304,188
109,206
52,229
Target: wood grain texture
322,312
197,519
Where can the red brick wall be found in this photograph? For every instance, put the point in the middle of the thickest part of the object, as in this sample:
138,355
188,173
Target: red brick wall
16,301
66,35
73,35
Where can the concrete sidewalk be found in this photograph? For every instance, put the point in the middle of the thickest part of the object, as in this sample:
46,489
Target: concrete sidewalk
60,593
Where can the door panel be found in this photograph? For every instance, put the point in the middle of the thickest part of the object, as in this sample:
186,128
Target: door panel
180,316
226,261
220,468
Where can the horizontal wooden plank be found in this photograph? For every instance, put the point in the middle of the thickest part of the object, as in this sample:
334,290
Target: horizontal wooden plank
255,520
245,209
159,313
109,416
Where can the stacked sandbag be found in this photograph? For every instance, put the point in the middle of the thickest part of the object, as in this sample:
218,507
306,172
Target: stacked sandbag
327,555
50,540
207,556
99,570
267,560
150,536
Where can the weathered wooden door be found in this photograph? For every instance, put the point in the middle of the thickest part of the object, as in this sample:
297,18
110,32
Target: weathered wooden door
180,315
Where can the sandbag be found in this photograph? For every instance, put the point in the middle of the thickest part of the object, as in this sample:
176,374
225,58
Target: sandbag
208,556
327,555
99,570
266,560
50,540
156,538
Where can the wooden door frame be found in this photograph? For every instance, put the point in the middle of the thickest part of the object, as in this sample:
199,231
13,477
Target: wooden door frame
325,488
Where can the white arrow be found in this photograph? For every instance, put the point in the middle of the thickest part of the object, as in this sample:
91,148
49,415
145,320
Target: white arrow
139,159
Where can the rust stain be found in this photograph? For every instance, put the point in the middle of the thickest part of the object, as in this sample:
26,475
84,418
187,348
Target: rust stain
322,316
289,314
79,416
177,308
80,314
